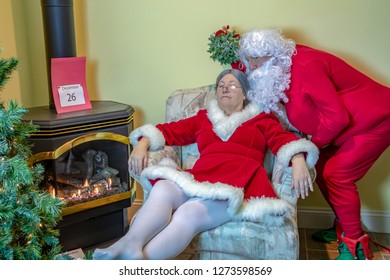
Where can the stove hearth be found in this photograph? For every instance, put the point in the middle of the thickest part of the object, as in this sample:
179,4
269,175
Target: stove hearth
85,155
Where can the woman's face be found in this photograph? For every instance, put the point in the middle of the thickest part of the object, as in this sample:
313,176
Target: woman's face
256,62
230,95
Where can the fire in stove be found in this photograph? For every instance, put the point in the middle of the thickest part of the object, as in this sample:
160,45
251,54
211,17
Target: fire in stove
79,181
87,171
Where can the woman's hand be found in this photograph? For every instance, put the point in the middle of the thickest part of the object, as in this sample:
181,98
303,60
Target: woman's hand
301,180
139,156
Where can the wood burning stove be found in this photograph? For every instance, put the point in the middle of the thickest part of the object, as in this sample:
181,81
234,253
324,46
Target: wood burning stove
85,157
84,153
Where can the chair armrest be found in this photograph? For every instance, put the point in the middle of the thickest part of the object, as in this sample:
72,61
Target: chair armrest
282,181
154,157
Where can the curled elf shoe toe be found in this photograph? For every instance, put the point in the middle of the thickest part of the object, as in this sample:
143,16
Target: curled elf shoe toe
345,253
354,249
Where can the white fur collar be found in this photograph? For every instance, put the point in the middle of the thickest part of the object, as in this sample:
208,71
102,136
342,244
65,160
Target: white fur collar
224,126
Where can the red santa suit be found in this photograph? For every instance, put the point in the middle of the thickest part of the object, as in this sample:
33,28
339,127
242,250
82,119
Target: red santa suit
348,116
232,149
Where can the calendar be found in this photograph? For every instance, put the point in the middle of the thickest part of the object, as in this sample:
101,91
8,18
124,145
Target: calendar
68,81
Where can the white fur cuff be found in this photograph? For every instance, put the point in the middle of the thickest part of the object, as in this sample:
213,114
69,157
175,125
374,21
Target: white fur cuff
157,140
287,151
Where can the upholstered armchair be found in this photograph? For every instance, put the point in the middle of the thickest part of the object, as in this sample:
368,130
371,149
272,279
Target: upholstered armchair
241,238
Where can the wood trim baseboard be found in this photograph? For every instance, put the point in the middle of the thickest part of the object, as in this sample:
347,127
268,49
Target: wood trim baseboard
373,221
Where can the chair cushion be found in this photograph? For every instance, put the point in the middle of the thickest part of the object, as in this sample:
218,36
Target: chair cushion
248,240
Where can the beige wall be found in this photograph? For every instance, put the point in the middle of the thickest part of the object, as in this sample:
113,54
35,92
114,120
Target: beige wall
140,51
8,49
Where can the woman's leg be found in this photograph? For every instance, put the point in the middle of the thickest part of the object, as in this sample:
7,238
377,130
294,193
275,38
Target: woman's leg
165,197
192,217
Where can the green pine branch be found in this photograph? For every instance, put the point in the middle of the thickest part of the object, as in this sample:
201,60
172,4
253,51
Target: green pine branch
7,66
28,216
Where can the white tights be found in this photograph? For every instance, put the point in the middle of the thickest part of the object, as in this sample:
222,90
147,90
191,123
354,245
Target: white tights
165,225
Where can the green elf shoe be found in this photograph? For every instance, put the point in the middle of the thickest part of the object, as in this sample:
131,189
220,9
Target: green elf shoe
354,249
329,235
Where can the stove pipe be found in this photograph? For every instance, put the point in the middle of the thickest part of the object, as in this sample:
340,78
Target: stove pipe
58,25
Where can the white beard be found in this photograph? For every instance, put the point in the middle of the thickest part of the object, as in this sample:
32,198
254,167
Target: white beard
268,84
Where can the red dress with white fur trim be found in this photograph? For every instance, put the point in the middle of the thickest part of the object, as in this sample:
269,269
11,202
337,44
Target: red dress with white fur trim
232,150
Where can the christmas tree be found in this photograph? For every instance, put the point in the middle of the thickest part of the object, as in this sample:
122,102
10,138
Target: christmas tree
28,216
